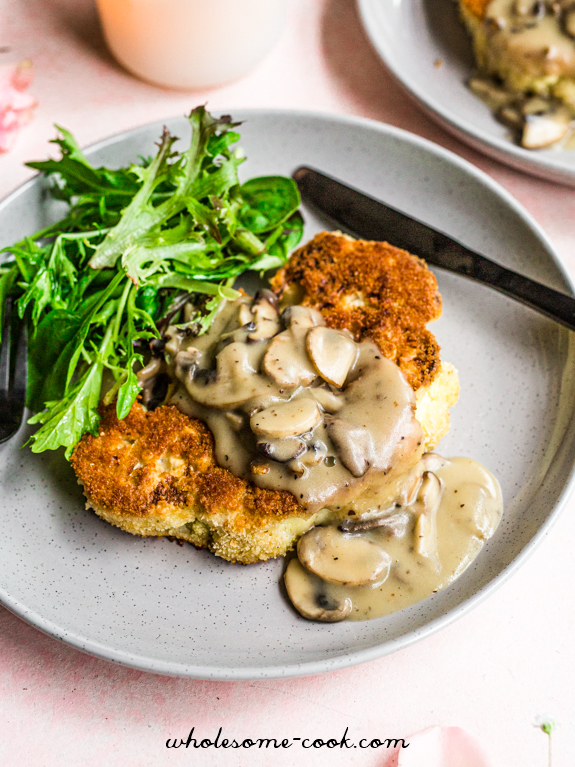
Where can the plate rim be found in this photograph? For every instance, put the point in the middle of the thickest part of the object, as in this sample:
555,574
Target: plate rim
346,659
506,152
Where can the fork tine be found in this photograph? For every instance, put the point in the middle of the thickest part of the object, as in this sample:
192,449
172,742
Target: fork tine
21,366
5,349
12,382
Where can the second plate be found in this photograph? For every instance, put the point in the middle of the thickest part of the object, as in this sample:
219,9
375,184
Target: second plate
426,47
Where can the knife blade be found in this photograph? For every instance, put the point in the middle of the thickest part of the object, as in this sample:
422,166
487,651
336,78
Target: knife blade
365,217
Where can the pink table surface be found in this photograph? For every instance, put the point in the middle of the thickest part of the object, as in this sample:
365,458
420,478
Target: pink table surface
493,672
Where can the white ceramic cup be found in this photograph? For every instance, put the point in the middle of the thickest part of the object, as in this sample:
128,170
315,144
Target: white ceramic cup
190,44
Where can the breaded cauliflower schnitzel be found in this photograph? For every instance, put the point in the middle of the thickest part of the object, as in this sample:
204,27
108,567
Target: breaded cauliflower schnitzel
372,289
525,53
155,473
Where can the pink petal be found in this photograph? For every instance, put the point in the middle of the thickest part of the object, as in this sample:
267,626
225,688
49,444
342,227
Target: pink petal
441,747
23,75
16,101
16,107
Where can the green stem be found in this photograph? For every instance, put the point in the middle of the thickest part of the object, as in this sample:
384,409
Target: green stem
121,306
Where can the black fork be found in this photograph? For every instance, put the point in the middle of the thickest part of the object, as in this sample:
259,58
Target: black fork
12,373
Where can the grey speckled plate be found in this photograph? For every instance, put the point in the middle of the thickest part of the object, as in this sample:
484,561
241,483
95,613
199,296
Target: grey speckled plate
160,607
411,36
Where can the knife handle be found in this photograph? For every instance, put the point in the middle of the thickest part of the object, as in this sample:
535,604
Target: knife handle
555,305
366,217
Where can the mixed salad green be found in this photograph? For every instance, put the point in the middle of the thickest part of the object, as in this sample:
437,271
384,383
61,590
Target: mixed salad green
136,244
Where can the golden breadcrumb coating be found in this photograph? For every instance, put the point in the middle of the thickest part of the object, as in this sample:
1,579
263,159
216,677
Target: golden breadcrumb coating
155,472
475,7
374,290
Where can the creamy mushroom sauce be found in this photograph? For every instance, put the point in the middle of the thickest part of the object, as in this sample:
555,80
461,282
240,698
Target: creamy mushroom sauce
294,405
378,566
537,39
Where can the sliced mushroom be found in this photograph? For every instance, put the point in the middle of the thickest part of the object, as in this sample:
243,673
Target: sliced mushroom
396,523
265,312
332,353
286,419
282,450
302,318
286,360
410,487
340,558
353,443
287,363
264,294
412,481
245,315
153,368
536,105
432,462
327,399
232,383
154,383
429,495
427,504
511,116
544,130
186,361
310,597
487,90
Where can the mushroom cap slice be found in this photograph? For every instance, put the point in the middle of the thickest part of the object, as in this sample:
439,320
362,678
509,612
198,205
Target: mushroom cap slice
265,313
233,382
282,450
543,130
396,524
412,482
425,531
286,419
301,318
245,315
287,363
334,556
354,444
332,352
310,599
329,401
429,493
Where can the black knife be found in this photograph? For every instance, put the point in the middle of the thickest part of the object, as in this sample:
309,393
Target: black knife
370,219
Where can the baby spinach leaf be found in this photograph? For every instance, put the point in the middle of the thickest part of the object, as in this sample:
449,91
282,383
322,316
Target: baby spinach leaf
148,300
290,237
270,200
